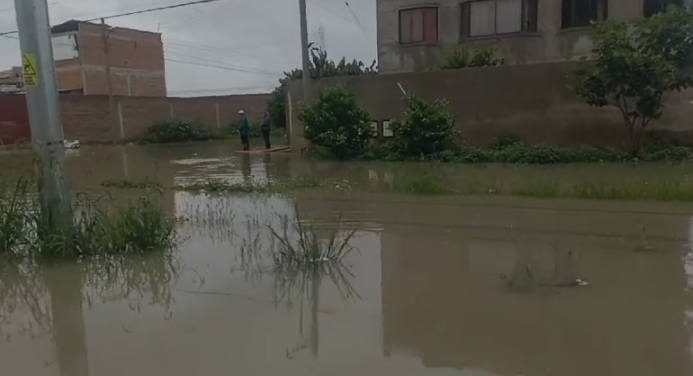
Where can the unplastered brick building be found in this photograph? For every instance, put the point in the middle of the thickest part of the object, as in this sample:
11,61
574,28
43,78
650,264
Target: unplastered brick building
136,60
84,52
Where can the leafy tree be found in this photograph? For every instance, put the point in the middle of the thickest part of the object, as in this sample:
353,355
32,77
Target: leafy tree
424,129
670,34
336,122
460,59
635,64
320,66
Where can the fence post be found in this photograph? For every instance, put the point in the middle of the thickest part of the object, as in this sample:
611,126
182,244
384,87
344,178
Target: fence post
216,107
121,121
170,110
290,122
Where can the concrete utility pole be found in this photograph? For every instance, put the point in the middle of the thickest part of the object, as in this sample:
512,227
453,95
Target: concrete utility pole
106,35
44,111
305,57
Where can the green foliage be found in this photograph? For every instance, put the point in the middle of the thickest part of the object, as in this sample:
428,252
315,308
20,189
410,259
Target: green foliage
170,131
424,129
320,66
460,59
337,123
635,64
507,150
301,246
668,34
100,228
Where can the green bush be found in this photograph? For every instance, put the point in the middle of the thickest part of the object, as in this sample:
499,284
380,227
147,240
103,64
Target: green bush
320,66
461,59
336,123
170,131
425,129
508,149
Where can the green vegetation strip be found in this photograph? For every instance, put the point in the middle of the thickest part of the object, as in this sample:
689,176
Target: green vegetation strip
434,184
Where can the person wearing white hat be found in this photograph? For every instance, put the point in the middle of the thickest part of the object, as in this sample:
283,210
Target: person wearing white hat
244,130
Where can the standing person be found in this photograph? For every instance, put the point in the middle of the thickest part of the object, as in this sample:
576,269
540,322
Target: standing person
265,127
244,130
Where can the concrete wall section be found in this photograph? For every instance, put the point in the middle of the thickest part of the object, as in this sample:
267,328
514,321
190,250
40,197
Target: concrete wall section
531,101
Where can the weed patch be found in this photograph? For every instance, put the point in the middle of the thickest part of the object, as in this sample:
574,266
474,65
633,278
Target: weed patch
301,246
100,227
131,184
250,186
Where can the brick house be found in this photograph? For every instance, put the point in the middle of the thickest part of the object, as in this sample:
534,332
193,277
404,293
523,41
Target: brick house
136,60
415,35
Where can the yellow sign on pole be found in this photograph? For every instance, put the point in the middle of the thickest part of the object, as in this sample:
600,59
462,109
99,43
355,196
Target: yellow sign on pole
29,70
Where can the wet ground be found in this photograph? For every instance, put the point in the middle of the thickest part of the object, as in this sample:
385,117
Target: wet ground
470,286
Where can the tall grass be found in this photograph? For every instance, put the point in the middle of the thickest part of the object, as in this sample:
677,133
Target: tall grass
300,244
100,227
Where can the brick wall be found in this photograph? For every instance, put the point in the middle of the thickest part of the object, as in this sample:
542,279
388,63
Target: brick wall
136,57
14,120
86,118
531,101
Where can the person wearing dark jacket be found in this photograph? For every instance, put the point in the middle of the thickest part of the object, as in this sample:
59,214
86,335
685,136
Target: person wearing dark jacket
265,128
244,130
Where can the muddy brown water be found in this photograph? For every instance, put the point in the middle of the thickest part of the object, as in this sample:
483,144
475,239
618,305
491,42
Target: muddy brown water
468,286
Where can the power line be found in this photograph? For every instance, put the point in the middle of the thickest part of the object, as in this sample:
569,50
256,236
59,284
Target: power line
256,89
201,63
137,12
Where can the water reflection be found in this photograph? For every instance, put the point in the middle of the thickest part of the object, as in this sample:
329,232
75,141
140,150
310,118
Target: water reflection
69,336
36,302
246,170
422,297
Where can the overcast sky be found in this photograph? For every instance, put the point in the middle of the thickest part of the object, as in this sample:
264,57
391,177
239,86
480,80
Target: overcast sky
250,42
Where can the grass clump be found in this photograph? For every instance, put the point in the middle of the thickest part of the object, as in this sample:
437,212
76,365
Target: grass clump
100,228
426,185
305,248
176,130
215,185
131,184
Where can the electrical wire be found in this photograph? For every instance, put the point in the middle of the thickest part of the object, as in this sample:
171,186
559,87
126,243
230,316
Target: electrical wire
201,62
167,7
255,89
200,15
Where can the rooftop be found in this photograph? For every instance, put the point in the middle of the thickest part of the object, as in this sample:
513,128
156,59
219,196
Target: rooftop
73,26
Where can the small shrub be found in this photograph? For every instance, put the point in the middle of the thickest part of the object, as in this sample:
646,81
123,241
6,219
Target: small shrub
301,246
424,129
460,59
337,123
170,131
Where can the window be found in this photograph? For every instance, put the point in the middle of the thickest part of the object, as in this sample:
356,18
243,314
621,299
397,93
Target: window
493,17
387,129
418,25
580,13
374,129
652,7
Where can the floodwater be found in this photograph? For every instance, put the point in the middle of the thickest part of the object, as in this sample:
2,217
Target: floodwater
472,286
